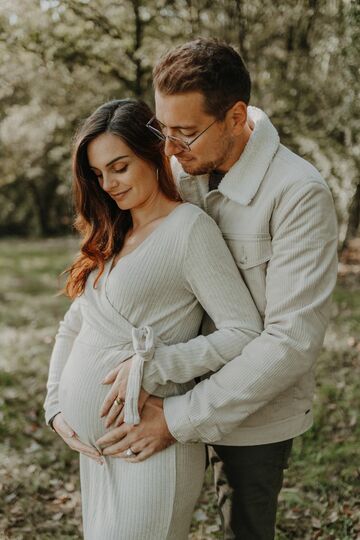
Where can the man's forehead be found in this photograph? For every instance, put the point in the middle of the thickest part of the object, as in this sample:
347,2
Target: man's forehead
179,109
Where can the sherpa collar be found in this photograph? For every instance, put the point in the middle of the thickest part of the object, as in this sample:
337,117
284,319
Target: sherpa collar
243,180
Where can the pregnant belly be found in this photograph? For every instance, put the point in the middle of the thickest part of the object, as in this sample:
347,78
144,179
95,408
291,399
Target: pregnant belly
81,393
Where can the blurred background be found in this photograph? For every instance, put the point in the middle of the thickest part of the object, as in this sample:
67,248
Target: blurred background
60,59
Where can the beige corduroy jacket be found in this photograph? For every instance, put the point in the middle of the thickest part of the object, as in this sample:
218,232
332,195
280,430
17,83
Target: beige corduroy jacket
277,216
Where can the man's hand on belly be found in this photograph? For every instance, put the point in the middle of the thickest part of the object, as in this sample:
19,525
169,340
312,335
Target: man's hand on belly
147,438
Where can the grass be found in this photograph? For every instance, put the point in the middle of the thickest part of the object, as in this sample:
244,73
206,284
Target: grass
39,487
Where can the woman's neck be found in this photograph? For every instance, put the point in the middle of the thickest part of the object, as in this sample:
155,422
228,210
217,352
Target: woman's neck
156,207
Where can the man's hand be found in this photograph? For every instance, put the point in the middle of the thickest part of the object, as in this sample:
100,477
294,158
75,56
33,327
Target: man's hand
147,438
69,436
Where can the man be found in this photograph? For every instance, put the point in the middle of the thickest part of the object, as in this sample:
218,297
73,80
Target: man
277,216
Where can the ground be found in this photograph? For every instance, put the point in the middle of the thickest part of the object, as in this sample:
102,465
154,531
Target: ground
39,488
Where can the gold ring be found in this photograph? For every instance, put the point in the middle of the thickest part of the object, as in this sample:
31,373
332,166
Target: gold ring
119,401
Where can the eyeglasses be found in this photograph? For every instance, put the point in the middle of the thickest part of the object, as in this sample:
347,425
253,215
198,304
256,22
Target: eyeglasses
181,143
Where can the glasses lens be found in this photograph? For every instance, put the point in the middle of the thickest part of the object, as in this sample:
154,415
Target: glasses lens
179,142
175,140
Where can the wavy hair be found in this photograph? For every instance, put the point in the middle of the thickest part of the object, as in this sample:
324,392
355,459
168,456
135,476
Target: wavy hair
100,222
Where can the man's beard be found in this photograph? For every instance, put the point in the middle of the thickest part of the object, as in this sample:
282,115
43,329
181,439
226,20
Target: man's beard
203,168
227,145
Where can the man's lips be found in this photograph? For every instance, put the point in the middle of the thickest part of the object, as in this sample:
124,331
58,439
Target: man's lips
183,160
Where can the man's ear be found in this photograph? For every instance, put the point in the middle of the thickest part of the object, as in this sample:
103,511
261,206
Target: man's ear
237,117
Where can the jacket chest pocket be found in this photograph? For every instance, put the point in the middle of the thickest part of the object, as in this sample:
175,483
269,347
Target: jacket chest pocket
252,254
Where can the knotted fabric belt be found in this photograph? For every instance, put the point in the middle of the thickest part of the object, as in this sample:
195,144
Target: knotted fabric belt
144,347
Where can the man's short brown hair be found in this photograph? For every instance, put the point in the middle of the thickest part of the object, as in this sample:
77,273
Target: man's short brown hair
208,66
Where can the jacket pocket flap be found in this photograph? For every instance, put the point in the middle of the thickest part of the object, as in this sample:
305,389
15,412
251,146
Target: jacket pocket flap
249,250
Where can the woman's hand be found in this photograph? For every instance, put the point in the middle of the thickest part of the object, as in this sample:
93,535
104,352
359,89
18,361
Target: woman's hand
143,396
112,409
69,436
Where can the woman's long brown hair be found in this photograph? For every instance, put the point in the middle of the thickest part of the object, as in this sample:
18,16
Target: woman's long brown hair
100,222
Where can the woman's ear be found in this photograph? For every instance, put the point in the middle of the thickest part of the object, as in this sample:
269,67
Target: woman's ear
238,117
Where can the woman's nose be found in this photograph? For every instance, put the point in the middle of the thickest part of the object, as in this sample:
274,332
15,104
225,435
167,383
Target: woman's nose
108,182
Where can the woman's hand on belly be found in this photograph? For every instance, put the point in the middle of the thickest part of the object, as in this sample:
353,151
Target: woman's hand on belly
112,406
118,378
69,436
119,419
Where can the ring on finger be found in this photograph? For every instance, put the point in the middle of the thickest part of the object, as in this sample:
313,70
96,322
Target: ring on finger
119,401
129,453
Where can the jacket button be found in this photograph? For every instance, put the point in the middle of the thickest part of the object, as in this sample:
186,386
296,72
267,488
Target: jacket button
243,257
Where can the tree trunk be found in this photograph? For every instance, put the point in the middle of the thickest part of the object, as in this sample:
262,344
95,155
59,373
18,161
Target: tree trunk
44,201
241,25
138,37
354,218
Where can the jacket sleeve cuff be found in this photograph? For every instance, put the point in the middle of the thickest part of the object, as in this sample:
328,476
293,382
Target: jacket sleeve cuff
178,421
51,413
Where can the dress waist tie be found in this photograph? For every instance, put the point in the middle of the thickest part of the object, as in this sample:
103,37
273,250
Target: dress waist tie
144,347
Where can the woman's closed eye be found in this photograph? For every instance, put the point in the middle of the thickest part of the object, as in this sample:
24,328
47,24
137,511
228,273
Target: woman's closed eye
116,170
121,170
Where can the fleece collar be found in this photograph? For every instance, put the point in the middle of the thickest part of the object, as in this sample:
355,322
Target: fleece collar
243,180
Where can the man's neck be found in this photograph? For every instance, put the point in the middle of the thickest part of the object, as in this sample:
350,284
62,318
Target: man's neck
237,150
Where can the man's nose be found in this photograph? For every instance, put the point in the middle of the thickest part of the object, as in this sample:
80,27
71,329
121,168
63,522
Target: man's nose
171,148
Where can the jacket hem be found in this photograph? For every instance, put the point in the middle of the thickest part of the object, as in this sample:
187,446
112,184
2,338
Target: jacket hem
268,433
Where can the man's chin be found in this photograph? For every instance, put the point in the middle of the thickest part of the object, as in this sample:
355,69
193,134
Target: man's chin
191,168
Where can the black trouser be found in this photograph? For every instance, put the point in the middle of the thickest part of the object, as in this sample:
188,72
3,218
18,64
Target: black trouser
248,480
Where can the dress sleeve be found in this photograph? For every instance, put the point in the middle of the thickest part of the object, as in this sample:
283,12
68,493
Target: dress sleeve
68,330
300,279
214,279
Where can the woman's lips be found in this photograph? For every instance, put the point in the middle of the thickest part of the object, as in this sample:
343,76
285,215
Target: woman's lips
121,194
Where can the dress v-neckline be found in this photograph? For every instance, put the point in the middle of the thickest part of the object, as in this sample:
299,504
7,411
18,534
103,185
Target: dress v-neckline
112,267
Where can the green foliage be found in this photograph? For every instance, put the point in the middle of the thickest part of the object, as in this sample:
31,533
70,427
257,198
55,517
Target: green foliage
39,483
62,58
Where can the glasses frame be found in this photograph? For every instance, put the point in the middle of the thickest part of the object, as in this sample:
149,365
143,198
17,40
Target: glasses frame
177,140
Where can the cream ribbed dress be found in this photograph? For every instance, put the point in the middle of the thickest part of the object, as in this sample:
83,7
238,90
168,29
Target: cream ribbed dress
152,300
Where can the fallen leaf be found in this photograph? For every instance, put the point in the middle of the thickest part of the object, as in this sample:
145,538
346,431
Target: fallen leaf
200,515
333,516
316,523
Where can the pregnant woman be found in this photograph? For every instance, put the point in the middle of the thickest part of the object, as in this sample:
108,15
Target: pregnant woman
148,267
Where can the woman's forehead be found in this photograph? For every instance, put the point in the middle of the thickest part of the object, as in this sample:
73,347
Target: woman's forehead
105,148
